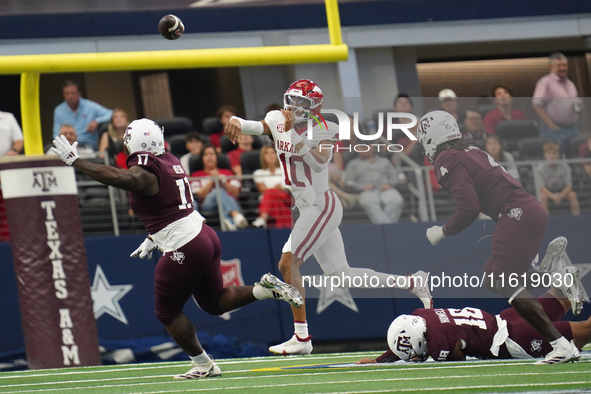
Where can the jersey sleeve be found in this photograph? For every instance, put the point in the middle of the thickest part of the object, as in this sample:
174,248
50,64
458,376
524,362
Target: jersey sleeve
276,122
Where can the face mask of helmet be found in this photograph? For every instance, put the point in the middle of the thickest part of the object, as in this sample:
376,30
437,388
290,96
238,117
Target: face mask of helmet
406,338
299,106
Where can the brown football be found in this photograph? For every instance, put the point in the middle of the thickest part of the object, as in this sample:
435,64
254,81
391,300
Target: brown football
171,27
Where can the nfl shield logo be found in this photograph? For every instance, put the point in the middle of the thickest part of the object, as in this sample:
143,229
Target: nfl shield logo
232,273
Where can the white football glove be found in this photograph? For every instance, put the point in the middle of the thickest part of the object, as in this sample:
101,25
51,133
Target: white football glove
145,249
64,150
435,234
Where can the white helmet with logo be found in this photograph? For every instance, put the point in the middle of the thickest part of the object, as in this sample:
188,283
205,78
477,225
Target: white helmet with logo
144,135
406,338
435,128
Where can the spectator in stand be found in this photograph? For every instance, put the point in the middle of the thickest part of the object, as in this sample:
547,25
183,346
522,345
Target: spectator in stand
375,177
504,111
11,135
275,206
194,144
85,115
112,140
224,114
449,103
68,131
585,153
557,102
494,148
473,129
11,144
245,142
403,103
555,179
204,189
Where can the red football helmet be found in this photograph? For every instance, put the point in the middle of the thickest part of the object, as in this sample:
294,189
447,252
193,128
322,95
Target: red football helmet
301,98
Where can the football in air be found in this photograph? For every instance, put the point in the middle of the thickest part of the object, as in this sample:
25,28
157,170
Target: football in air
171,27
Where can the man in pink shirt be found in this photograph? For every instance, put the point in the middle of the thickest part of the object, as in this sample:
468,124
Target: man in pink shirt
504,111
557,102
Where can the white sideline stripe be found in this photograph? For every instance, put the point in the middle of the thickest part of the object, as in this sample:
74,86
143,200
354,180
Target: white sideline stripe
271,376
159,365
439,388
372,368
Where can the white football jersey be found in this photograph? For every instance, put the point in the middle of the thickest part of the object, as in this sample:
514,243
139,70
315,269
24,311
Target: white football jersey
298,175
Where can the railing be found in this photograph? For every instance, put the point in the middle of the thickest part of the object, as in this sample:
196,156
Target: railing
105,210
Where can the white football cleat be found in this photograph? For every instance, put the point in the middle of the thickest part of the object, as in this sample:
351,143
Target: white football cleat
421,288
280,290
551,261
295,346
561,356
200,371
574,292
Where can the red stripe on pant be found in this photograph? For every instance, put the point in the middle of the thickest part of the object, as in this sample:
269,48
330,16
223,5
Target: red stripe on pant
330,200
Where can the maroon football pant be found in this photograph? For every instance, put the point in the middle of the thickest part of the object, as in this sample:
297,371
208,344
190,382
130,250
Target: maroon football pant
528,337
517,239
192,270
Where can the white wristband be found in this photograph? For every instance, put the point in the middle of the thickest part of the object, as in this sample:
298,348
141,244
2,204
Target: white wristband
305,149
250,127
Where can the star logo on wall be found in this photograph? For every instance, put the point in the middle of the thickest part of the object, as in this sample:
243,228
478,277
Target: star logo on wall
328,296
106,297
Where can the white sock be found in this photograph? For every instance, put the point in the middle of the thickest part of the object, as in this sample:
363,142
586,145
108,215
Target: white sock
202,359
301,329
560,343
261,293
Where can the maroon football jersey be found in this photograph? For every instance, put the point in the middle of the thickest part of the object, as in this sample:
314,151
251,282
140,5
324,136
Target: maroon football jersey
477,184
174,199
445,327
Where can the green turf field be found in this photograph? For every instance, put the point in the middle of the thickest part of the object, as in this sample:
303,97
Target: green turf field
323,373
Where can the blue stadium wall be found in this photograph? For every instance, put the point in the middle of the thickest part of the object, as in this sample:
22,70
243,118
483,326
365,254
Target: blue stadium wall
401,248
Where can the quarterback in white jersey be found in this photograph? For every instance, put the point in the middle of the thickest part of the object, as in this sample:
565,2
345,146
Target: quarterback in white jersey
304,154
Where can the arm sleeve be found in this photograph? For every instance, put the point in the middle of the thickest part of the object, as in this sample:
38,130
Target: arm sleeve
459,184
15,129
540,96
568,179
392,173
351,174
387,357
102,114
539,175
56,122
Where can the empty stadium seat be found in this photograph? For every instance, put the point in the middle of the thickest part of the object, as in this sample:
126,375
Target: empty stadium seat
175,125
575,143
250,161
211,125
512,131
178,146
532,148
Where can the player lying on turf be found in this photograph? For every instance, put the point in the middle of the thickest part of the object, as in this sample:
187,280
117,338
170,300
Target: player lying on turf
159,192
316,231
454,334
479,184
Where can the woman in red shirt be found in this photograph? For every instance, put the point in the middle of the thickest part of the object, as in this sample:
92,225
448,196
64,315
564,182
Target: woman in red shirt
204,189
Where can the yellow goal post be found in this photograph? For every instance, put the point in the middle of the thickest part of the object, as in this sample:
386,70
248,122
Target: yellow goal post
31,66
